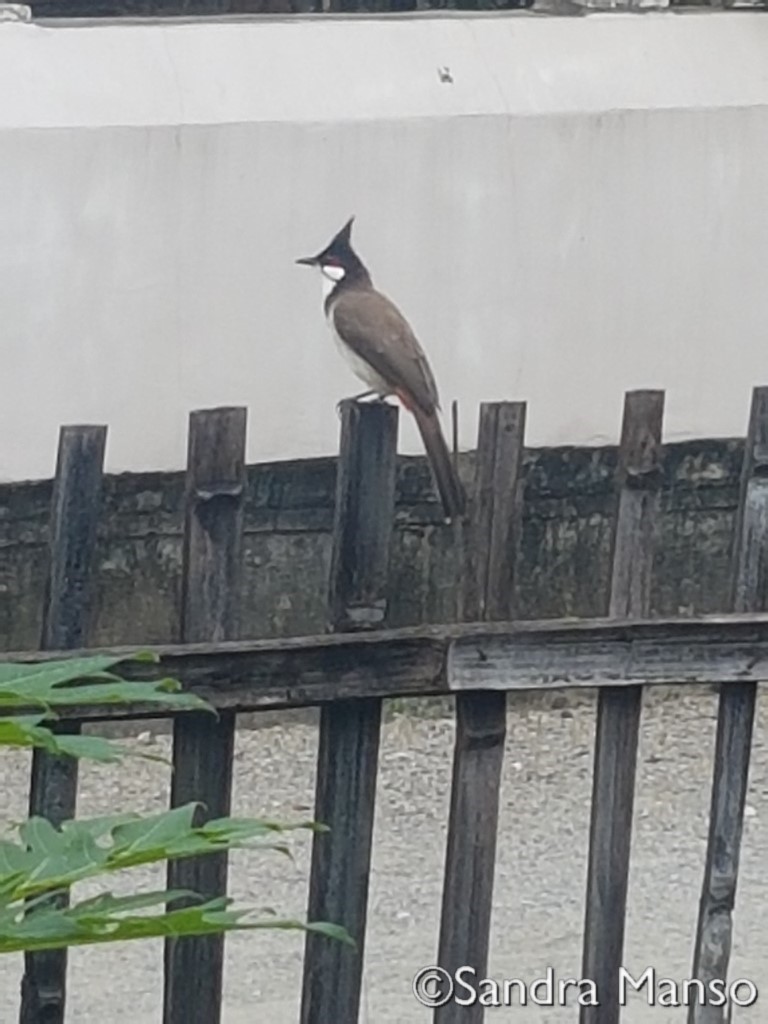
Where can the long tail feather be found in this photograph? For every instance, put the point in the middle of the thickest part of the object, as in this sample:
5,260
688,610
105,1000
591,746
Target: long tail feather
443,470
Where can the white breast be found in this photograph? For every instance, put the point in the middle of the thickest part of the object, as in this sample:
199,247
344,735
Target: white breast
359,367
331,275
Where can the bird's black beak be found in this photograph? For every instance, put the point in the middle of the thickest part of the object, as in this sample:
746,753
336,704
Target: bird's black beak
308,261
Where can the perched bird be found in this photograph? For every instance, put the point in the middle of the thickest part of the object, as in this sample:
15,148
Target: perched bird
382,350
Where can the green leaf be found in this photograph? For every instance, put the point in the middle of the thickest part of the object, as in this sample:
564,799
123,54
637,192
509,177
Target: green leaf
24,731
106,903
141,835
48,858
103,919
79,681
46,861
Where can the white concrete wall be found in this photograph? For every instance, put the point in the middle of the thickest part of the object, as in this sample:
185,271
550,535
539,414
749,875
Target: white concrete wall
582,210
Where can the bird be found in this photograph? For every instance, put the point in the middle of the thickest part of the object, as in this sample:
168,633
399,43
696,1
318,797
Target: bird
382,350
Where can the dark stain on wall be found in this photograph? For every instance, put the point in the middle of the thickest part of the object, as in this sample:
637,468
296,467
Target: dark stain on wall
563,569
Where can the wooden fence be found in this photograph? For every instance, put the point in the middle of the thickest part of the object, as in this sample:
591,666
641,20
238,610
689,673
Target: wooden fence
487,653
223,8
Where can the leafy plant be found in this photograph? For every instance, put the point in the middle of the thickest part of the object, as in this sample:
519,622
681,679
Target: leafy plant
45,861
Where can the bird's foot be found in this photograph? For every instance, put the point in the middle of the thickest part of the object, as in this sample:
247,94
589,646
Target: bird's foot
369,396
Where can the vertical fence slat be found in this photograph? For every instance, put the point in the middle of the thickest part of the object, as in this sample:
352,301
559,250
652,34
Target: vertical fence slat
75,509
735,719
202,745
349,730
481,717
618,709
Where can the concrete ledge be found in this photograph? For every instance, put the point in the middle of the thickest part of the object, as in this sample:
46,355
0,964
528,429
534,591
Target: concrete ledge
303,69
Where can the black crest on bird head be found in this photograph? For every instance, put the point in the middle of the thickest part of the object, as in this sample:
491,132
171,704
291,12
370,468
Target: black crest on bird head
338,252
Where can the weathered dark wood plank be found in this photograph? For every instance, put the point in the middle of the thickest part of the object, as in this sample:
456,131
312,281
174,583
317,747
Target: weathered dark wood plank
75,508
736,714
496,512
203,746
552,654
348,753
481,718
365,477
618,709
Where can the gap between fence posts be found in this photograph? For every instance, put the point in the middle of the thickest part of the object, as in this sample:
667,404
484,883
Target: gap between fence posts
75,509
347,761
203,745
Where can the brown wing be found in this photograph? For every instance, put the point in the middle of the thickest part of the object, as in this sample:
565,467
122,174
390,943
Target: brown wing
375,329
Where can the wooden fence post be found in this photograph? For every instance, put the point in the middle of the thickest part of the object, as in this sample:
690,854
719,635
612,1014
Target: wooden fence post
75,507
203,745
619,708
349,729
481,718
735,718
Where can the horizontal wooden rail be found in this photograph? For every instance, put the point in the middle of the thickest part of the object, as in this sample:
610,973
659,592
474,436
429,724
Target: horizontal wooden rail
424,661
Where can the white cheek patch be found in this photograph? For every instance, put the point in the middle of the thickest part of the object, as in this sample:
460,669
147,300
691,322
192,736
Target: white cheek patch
332,272
331,277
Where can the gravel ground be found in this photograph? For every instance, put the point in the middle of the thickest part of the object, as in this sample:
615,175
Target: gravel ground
540,872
